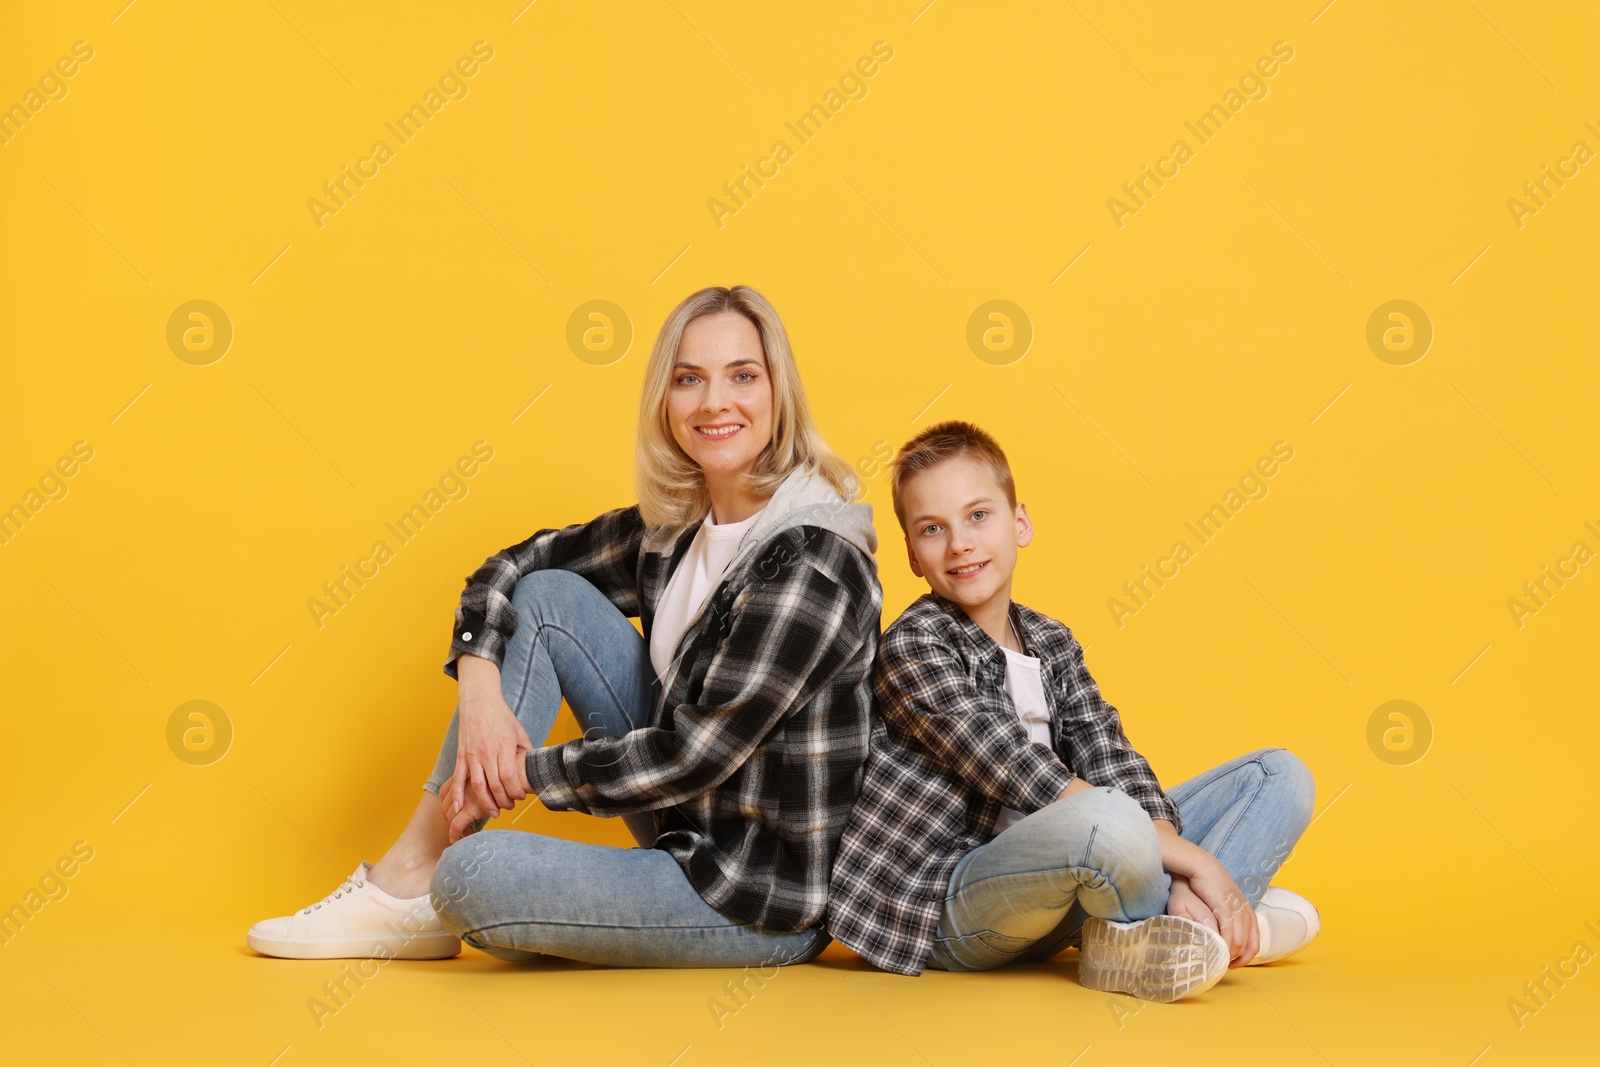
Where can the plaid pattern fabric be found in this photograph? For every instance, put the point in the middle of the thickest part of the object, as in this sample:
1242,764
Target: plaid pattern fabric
606,551
754,756
947,752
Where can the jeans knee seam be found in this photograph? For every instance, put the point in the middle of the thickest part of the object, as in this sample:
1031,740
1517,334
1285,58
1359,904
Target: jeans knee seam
1199,784
605,679
1071,868
1022,874
1246,809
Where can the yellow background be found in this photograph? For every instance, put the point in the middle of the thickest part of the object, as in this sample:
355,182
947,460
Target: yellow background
369,354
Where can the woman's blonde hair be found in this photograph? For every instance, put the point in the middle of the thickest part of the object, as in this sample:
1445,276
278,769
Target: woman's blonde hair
672,487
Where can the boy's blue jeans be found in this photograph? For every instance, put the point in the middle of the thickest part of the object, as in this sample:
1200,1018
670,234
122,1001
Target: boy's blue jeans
519,896
1024,895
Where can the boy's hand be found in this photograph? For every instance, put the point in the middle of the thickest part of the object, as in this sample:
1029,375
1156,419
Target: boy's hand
1183,903
1234,918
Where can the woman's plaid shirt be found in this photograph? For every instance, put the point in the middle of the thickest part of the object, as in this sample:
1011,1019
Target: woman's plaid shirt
755,752
948,751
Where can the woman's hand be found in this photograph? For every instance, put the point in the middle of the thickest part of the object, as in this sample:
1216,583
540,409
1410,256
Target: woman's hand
458,820
1233,917
489,775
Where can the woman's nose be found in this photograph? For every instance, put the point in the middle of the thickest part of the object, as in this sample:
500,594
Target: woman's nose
715,398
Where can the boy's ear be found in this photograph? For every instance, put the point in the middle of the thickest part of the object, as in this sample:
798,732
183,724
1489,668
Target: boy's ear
1024,526
912,556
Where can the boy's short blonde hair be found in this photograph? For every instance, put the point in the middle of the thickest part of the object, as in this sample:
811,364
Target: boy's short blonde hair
947,440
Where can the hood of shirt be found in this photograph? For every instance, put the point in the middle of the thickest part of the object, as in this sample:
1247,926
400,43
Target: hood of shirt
804,498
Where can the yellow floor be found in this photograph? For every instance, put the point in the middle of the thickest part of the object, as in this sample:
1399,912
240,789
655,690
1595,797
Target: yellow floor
144,962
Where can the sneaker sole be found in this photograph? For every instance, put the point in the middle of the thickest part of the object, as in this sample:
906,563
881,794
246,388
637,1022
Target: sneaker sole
434,946
1163,958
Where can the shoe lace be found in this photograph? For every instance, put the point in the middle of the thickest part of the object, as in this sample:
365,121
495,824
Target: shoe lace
350,886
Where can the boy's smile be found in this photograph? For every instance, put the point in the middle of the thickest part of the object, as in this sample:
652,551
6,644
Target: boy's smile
962,538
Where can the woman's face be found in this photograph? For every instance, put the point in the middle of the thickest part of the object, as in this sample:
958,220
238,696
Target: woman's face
719,401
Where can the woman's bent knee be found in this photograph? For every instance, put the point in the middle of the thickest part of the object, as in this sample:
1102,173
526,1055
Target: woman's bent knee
549,586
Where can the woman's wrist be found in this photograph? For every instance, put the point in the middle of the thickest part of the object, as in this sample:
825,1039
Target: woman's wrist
475,672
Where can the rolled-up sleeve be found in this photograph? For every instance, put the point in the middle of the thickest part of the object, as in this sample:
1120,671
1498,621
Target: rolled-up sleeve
1096,746
604,550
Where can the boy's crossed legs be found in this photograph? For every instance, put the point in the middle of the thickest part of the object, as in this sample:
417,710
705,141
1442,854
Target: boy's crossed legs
1094,852
1026,894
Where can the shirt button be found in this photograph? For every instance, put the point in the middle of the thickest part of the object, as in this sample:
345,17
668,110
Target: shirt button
466,637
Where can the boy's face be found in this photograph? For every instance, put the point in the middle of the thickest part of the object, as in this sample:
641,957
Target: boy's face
961,534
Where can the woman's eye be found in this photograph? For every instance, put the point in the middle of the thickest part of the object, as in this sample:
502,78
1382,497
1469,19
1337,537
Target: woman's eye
748,376
683,379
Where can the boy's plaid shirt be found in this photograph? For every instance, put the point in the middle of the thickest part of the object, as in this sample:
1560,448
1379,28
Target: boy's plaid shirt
948,751
754,755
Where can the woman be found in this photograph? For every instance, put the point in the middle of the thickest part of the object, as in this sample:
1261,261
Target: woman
730,736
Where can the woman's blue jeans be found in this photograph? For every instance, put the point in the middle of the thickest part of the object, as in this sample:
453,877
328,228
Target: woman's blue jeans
519,896
1024,895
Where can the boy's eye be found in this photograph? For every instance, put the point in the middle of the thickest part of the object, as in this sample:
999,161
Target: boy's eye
979,514
932,526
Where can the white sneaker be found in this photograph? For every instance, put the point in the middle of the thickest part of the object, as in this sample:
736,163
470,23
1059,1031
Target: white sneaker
1162,958
357,921
1288,924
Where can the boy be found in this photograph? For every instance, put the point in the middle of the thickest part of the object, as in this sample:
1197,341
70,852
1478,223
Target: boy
1004,814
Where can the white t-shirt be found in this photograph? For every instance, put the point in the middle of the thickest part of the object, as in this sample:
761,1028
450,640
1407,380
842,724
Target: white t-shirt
692,580
1027,693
